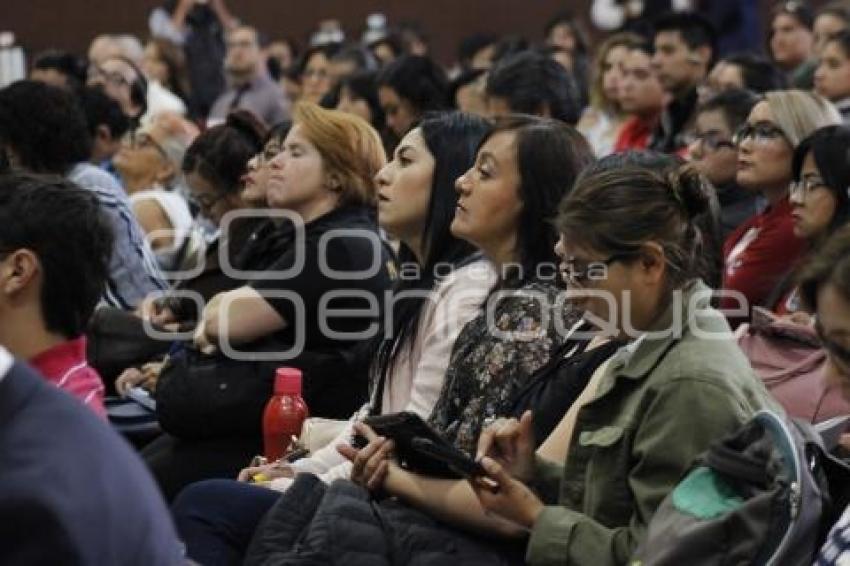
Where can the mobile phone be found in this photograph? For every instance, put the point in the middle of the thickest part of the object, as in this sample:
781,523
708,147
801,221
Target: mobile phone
455,459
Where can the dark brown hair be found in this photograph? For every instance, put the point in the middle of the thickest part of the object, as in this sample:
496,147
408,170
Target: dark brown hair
618,205
830,265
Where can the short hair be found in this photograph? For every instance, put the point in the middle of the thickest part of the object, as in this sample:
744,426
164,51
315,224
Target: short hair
350,148
830,148
797,9
419,80
695,29
44,125
472,44
798,113
101,110
530,81
179,135
759,73
627,40
734,104
364,86
362,58
830,265
221,153
842,38
549,155
465,78
63,225
391,40
68,64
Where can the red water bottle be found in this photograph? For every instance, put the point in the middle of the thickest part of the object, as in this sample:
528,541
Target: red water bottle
285,413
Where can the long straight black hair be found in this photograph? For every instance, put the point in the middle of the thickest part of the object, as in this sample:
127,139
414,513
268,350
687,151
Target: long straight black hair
452,139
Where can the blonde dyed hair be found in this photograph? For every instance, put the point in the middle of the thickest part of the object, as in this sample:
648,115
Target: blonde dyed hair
598,100
350,147
799,113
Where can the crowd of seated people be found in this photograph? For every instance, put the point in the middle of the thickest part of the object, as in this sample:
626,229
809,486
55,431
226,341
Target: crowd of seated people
556,254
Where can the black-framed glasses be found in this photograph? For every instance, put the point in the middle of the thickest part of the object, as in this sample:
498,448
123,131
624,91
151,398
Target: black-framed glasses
760,132
805,186
112,77
578,273
839,355
712,140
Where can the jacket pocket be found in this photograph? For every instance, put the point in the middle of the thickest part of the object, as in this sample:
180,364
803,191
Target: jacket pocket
607,496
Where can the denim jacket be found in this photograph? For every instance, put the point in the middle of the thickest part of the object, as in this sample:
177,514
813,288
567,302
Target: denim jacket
661,401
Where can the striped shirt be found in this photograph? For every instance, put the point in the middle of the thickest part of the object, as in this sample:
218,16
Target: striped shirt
65,366
133,270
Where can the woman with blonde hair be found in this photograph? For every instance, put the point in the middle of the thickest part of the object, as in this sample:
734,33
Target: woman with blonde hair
313,304
763,249
602,121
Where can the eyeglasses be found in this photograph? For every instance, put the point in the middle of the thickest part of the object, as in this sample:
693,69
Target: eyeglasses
112,77
712,140
143,141
839,355
760,133
805,186
577,275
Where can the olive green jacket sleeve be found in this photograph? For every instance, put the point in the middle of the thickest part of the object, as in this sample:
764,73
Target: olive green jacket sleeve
676,423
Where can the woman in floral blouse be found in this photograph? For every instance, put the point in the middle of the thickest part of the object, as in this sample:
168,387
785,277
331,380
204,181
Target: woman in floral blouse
522,170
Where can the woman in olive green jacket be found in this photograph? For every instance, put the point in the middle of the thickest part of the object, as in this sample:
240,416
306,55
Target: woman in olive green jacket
630,251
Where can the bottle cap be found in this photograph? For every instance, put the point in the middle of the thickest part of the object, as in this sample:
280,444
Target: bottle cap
287,381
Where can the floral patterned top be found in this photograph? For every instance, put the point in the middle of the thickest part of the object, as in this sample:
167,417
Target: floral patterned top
488,366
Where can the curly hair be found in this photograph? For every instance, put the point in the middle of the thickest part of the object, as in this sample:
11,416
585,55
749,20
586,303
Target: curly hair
44,126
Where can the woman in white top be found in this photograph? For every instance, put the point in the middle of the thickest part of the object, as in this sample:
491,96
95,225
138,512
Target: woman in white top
441,286
602,121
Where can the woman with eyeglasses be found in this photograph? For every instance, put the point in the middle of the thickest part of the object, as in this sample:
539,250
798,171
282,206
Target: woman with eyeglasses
819,200
762,250
715,156
631,255
149,164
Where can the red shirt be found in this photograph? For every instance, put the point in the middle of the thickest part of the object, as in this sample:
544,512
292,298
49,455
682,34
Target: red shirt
65,366
759,253
634,135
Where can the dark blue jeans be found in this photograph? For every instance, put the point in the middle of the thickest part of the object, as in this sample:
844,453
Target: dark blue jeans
217,518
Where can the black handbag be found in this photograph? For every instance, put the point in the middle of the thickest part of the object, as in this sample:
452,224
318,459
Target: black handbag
117,340
200,396
553,388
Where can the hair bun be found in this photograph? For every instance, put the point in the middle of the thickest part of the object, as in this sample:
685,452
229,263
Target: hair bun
247,124
690,190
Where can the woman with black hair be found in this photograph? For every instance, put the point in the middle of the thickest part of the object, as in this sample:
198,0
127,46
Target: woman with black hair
407,88
358,94
820,204
315,72
832,75
440,287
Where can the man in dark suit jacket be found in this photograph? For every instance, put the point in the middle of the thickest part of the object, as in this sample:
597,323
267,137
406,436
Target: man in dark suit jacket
72,492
